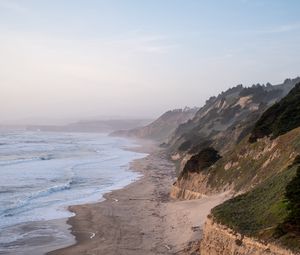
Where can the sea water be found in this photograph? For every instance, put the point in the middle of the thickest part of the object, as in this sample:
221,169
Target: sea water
41,174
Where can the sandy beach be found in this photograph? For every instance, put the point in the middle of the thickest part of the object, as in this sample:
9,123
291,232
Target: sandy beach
141,218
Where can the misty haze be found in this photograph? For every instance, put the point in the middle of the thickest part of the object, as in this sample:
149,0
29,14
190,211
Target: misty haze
149,127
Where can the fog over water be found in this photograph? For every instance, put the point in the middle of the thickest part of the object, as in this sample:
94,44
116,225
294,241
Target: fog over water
63,61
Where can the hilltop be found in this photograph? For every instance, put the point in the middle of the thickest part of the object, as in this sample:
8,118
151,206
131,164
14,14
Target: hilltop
225,120
162,127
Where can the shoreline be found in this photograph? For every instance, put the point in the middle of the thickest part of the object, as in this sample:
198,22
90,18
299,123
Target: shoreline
140,218
39,237
105,228
52,172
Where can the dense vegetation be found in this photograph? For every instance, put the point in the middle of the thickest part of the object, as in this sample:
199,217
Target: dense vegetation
260,94
282,117
269,212
289,230
185,145
204,159
293,198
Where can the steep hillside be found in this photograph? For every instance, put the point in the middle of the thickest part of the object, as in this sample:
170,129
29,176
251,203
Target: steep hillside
266,212
161,128
242,168
280,118
226,119
219,239
243,165
271,210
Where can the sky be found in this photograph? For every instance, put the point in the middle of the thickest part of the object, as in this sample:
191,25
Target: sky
66,60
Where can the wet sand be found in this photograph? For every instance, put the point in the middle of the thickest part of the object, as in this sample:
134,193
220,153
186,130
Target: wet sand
36,237
140,219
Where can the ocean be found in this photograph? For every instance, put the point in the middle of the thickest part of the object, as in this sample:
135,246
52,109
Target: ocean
42,173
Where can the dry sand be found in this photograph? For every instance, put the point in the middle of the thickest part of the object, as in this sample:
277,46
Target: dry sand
140,219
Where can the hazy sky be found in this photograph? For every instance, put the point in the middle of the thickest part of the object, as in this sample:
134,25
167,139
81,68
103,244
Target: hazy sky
71,59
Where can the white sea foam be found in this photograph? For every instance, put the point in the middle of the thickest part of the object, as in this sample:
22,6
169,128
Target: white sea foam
42,173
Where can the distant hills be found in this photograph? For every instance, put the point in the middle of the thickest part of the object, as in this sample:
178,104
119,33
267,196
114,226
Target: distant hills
161,128
101,126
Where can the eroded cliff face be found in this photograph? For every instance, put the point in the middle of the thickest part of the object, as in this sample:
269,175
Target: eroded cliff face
223,123
241,169
262,166
185,194
225,119
194,186
221,240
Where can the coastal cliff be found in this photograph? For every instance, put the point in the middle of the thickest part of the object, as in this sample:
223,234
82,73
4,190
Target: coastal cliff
268,146
241,169
226,119
259,166
246,143
221,240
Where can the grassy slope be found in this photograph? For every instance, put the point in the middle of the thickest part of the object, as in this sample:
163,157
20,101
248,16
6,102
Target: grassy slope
259,212
249,160
261,208
254,162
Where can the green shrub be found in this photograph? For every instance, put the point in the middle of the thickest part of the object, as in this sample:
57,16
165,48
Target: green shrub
204,159
293,198
279,118
271,211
